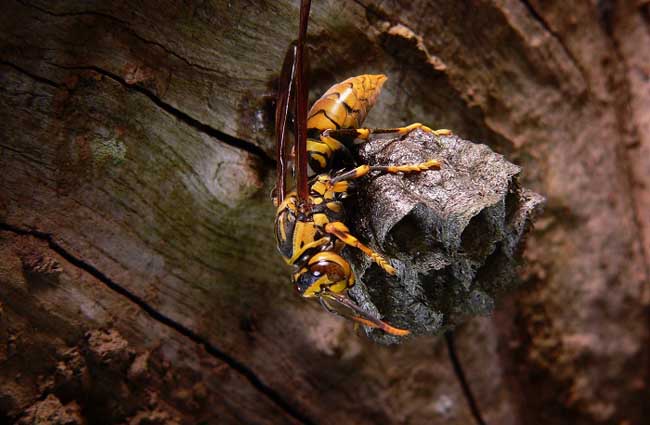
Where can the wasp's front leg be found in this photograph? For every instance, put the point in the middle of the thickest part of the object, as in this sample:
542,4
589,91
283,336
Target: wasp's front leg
364,133
362,170
341,231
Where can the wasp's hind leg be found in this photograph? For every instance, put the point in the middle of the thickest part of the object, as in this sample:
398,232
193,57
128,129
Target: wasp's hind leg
342,232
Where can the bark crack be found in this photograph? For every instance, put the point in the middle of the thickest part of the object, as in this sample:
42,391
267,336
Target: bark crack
167,321
462,379
35,77
70,14
184,117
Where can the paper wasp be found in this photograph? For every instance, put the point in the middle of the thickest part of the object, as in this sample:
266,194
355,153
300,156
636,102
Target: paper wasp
309,225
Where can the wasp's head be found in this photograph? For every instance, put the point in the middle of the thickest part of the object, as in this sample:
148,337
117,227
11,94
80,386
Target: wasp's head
325,270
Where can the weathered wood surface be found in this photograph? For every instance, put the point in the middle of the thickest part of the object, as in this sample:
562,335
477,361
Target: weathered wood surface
135,170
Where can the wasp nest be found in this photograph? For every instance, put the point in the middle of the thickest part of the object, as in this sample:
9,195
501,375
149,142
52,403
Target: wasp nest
454,235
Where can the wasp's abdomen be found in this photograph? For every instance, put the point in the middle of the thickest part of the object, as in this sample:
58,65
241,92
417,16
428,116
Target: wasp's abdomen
346,104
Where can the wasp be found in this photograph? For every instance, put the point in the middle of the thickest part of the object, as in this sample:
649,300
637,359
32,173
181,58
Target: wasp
310,225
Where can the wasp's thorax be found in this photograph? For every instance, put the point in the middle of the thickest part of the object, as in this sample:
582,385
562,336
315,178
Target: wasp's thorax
304,243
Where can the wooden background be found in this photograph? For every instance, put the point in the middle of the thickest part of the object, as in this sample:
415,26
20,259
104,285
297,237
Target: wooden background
139,281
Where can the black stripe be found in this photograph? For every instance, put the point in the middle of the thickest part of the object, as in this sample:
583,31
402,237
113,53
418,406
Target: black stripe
330,118
350,109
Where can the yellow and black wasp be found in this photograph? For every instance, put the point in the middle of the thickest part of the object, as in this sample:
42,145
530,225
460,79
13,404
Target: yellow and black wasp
309,224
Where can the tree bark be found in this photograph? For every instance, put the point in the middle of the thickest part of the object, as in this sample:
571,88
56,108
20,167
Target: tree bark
139,281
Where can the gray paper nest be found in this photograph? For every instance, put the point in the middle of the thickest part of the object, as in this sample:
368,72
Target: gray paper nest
454,235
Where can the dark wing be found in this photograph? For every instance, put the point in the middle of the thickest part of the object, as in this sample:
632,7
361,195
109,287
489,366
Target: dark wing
302,92
283,106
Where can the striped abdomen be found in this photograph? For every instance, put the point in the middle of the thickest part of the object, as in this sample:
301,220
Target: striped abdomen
346,104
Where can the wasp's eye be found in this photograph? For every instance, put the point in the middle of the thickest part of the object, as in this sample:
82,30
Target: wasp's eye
332,270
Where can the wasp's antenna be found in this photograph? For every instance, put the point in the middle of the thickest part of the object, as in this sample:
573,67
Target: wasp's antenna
358,315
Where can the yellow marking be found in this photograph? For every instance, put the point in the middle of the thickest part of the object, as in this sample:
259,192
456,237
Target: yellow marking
331,257
322,161
303,233
317,146
334,206
363,133
310,245
315,287
321,219
319,187
340,187
339,287
331,143
317,201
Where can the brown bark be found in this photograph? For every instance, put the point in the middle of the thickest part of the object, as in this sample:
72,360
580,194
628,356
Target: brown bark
138,276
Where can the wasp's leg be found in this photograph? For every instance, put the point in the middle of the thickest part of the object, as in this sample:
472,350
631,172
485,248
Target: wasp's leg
364,133
341,231
362,170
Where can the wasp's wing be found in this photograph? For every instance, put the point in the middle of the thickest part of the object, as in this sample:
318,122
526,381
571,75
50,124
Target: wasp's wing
284,104
292,97
302,91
